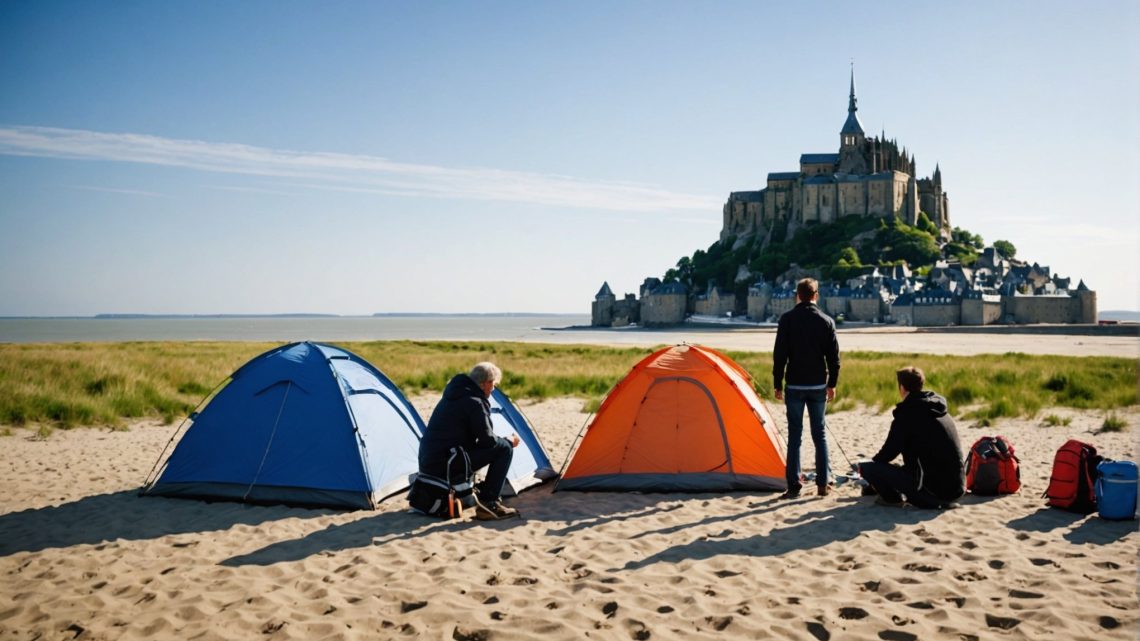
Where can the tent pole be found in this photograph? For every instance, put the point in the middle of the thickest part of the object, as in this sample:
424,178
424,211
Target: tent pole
571,451
193,412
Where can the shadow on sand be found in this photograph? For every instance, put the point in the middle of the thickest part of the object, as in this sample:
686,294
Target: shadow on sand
125,515
1080,528
841,522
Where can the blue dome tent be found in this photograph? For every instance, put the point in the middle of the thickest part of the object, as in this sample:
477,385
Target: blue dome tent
530,465
305,424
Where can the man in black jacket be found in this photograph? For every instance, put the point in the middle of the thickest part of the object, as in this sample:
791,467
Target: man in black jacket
463,419
924,434
805,371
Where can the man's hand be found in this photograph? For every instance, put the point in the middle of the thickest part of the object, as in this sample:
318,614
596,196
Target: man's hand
830,394
514,440
779,395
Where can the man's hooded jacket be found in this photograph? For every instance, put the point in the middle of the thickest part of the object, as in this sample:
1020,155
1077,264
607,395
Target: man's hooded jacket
924,433
462,418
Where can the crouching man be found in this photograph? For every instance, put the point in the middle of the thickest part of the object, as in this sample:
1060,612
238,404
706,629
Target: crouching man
463,419
923,432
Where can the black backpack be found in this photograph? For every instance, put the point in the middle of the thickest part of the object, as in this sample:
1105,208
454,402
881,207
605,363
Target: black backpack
443,497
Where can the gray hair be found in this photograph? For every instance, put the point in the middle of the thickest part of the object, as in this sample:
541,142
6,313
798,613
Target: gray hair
486,371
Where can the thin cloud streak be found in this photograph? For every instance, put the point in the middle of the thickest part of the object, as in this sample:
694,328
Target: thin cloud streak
112,190
348,171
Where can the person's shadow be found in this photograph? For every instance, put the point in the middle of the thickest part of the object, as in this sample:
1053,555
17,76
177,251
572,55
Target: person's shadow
842,522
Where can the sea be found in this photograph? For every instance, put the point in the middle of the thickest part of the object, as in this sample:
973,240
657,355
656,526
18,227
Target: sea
507,327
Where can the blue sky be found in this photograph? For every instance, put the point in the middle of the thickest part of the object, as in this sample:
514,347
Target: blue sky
351,158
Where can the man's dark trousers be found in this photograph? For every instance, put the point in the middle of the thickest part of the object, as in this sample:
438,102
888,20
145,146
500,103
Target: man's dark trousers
498,459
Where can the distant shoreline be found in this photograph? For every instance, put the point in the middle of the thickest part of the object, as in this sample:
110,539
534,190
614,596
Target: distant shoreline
117,316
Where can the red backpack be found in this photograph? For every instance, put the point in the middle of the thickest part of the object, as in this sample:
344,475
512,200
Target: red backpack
1072,485
992,467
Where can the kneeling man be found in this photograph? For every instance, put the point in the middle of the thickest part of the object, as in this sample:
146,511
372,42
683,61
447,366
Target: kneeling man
923,432
463,419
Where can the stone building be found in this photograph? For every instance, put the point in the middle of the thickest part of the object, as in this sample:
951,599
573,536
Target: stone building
869,176
664,305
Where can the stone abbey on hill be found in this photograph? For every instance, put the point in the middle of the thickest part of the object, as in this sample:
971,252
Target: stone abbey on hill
868,177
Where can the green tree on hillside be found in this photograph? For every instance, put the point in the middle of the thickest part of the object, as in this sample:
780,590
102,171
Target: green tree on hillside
1005,248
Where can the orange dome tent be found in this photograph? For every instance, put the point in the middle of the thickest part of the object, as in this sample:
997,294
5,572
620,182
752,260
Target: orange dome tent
684,419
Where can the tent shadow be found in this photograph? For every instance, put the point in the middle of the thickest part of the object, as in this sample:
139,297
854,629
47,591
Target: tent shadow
124,515
842,522
380,529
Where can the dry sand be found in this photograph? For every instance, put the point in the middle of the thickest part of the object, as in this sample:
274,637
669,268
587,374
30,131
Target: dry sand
82,557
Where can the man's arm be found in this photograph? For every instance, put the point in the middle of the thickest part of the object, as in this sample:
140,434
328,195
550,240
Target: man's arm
893,446
779,358
831,355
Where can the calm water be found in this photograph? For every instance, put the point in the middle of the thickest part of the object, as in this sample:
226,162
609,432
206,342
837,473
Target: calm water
66,330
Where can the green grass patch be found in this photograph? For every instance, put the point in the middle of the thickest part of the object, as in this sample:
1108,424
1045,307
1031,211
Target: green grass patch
1113,423
1053,420
107,384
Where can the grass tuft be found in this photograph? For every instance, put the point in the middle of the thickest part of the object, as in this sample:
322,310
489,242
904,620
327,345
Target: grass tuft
1053,420
1113,423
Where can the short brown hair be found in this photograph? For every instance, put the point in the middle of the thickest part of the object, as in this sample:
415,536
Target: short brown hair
911,378
806,289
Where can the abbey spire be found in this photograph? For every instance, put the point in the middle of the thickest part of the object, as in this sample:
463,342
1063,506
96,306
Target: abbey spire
852,133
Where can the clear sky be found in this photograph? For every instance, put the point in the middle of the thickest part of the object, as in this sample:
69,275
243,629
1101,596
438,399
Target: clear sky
359,157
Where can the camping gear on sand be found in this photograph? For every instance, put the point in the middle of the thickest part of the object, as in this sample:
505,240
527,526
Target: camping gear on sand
684,419
305,424
992,467
1116,490
1073,477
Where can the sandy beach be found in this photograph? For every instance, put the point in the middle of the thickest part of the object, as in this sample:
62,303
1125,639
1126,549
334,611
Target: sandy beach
82,557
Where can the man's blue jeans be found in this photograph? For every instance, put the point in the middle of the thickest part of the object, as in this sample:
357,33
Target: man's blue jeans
816,402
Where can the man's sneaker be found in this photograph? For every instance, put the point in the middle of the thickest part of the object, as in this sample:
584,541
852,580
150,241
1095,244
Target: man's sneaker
502,511
484,513
824,490
790,494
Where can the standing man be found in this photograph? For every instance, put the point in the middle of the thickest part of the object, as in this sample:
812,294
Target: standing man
463,419
924,434
805,370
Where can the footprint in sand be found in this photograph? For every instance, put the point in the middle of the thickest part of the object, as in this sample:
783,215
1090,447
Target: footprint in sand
957,600
1022,594
818,631
970,576
498,616
996,564
719,623
637,630
852,613
870,586
897,620
665,609
724,574
969,545
1108,623
1004,623
897,635
1040,562
467,634
505,554
921,567
894,596
411,606
1107,565
609,609
921,605
553,605
491,600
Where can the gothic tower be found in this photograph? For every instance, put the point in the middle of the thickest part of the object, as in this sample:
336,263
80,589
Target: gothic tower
851,138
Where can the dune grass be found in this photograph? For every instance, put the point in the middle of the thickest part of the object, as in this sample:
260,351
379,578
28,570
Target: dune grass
108,384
